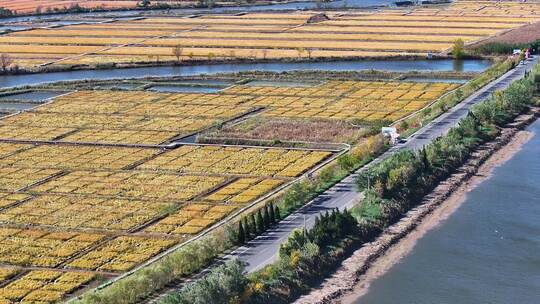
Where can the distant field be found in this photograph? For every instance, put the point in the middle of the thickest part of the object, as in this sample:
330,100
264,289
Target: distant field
382,33
30,6
86,193
43,6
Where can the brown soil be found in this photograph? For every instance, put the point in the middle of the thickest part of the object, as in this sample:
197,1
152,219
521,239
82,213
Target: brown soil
293,130
524,34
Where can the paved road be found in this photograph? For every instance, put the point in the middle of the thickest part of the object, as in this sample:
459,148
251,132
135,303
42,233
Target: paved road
263,249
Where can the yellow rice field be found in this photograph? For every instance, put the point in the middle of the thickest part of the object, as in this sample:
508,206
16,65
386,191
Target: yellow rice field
90,188
39,286
74,214
267,35
88,192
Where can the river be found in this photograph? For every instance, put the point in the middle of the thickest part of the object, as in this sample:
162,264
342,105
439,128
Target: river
302,5
488,251
165,71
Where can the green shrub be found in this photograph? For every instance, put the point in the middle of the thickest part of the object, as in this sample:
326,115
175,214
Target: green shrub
185,261
224,283
500,48
458,48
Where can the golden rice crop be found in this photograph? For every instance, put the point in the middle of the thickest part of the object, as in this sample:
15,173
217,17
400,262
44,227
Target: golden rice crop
131,185
82,212
65,40
324,36
39,247
122,253
42,286
295,44
141,118
191,219
397,29
225,21
420,24
8,199
47,49
269,35
232,160
413,17
75,157
92,31
14,179
32,133
359,99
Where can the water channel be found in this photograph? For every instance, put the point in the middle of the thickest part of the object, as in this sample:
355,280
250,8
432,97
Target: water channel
164,71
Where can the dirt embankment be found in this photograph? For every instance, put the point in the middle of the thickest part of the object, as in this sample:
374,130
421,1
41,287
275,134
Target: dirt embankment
524,34
374,259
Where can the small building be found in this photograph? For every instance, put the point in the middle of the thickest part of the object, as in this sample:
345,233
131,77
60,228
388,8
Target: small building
317,18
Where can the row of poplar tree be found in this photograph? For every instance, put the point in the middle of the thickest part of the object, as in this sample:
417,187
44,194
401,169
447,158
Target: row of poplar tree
256,223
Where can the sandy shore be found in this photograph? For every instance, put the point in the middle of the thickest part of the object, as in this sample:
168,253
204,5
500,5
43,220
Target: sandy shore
353,278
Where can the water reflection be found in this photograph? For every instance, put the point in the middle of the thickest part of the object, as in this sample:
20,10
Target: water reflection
386,65
486,252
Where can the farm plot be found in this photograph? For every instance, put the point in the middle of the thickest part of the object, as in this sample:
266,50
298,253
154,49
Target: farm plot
266,35
73,157
47,6
122,117
131,185
14,179
144,118
291,129
76,212
122,200
102,209
31,6
358,100
72,208
233,160
44,248
32,133
121,254
40,247
39,286
191,219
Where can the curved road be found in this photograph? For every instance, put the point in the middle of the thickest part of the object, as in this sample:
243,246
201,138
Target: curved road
264,249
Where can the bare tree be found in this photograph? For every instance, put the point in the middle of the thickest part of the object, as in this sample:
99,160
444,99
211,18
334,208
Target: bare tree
309,52
5,61
300,51
177,52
